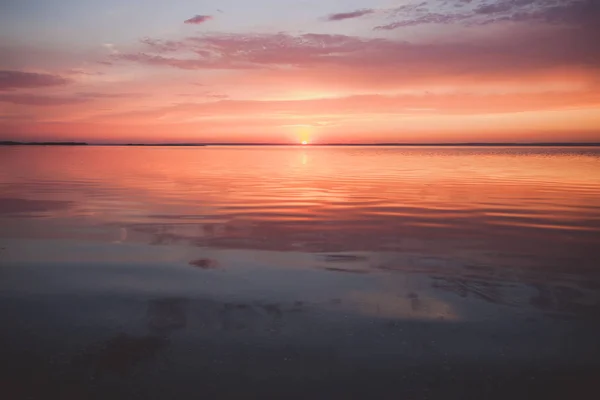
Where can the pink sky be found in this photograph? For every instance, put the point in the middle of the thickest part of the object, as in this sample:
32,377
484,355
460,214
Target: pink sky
322,71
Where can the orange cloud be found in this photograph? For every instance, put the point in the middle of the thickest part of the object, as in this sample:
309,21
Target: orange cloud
528,61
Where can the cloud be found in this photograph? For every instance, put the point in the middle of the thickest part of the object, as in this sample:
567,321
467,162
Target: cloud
236,51
162,46
112,49
492,8
181,63
373,104
205,95
350,15
28,80
99,95
37,100
81,71
29,99
431,18
198,19
485,13
217,96
513,52
414,8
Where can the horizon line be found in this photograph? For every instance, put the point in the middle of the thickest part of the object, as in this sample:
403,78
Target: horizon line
389,144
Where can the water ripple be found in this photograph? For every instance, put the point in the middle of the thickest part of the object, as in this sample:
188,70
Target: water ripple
371,198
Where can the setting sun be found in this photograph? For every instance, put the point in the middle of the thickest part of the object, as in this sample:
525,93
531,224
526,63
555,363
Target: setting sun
304,142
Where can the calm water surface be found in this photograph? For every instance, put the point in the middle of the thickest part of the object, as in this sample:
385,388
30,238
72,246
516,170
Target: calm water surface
306,272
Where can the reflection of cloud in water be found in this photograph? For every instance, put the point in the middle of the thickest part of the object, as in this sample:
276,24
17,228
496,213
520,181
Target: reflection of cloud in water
26,206
344,258
562,299
167,315
246,317
541,249
205,263
411,306
347,270
122,234
554,294
121,353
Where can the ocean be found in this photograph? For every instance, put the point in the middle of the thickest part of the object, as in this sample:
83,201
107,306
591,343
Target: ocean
299,272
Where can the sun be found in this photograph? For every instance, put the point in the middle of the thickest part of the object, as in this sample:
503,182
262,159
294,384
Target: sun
303,134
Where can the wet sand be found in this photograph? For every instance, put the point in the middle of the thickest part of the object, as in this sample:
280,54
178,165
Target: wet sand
253,326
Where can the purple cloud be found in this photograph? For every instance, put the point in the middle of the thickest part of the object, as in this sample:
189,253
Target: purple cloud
340,61
376,56
98,95
30,99
28,80
349,15
35,100
161,46
573,12
425,19
198,19
249,51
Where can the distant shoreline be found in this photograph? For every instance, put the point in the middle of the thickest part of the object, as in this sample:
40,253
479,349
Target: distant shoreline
466,144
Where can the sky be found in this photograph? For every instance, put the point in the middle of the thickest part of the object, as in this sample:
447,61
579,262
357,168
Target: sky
286,71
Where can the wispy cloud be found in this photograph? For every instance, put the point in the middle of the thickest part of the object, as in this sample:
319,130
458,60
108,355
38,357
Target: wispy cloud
430,18
237,51
484,13
514,52
449,104
163,46
100,95
38,100
31,99
350,15
18,79
198,19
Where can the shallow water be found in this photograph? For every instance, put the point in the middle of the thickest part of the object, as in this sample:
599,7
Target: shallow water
308,272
